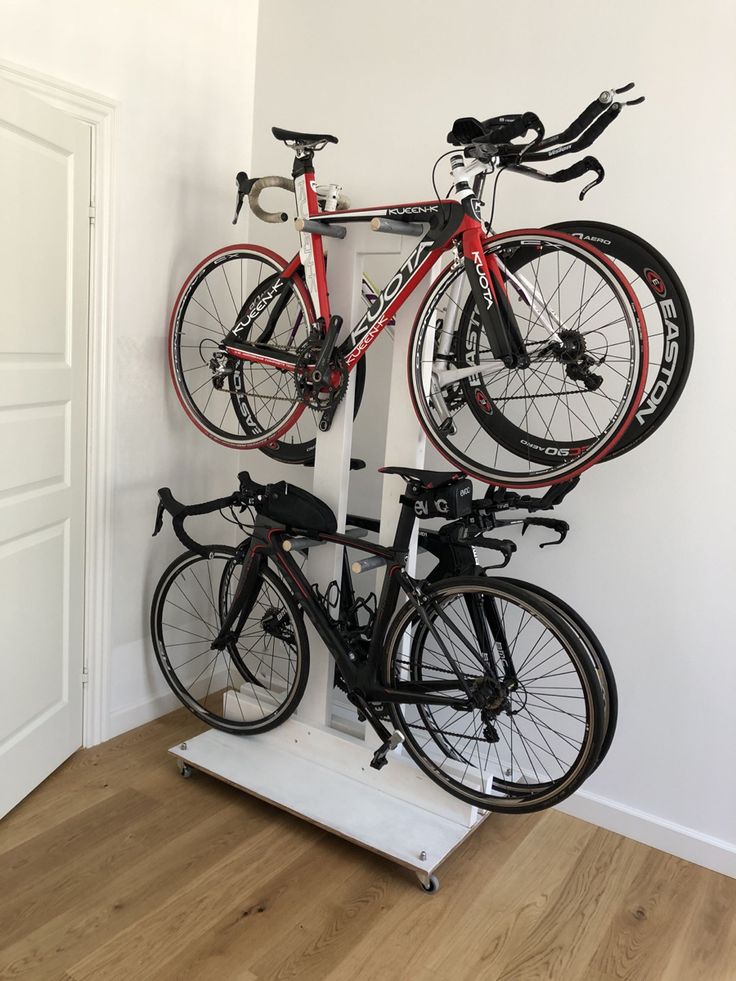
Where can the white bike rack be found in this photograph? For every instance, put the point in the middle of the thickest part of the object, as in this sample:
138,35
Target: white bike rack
306,766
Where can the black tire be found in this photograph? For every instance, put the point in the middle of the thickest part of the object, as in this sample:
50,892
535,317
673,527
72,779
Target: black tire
670,328
187,604
573,293
598,656
607,680
442,750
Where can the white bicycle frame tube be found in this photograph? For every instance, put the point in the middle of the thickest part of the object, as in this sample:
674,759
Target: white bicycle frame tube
306,250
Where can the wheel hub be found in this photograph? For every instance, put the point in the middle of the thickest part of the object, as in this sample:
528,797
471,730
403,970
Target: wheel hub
572,346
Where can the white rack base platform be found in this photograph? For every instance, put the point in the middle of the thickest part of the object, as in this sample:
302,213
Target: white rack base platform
369,808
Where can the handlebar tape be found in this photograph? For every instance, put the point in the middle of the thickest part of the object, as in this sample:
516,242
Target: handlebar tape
578,169
176,508
578,127
590,135
277,217
180,512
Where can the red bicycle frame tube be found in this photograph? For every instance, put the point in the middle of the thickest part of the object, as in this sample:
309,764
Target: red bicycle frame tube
464,229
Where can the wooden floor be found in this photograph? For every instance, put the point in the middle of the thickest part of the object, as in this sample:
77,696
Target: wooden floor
116,868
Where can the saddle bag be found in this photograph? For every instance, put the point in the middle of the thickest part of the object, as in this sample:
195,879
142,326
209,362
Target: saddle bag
452,501
294,507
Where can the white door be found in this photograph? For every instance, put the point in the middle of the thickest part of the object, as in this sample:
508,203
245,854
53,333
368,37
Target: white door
44,271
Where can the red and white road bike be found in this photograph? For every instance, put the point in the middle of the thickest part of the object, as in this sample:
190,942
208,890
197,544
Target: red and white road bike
554,360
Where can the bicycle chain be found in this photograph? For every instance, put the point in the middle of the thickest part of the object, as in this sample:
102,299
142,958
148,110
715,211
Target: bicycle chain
543,395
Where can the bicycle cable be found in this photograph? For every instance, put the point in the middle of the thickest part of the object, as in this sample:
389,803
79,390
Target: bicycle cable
489,223
234,520
434,182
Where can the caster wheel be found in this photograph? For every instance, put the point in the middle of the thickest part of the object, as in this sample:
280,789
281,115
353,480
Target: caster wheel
429,884
184,769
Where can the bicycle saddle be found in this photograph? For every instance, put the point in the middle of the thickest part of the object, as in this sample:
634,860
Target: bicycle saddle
428,479
304,139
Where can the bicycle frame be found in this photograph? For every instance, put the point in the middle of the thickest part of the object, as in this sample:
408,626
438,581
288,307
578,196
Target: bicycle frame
362,674
452,223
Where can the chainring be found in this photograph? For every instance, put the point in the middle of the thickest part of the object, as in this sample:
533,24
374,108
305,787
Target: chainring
325,394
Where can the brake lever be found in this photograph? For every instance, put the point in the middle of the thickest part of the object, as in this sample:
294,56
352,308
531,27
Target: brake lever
556,524
159,519
503,545
600,173
244,185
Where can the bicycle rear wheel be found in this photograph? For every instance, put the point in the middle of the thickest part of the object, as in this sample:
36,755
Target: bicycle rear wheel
670,327
599,658
583,331
258,679
238,403
526,724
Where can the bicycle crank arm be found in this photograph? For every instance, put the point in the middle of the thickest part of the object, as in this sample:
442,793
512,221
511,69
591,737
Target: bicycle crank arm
328,346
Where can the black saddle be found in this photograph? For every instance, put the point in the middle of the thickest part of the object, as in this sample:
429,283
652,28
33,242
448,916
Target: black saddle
303,139
428,479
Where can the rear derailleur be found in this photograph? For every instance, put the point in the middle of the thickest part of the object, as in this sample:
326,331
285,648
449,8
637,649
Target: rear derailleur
570,349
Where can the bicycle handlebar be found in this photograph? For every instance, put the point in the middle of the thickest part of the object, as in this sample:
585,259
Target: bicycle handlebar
180,512
249,491
571,173
491,139
253,188
257,189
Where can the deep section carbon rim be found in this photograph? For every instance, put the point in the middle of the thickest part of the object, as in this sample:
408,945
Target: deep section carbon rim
669,322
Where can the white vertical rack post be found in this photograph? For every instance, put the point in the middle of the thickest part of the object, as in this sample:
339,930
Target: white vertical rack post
305,766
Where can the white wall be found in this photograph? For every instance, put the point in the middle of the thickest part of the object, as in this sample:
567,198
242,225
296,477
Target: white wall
649,561
183,75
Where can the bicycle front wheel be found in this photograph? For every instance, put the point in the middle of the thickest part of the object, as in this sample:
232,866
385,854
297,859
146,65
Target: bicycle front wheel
583,334
257,680
522,720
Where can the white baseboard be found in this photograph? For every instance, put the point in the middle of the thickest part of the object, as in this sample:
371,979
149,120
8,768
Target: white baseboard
676,839
133,716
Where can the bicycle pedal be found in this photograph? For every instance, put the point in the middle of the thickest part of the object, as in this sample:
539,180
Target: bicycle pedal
379,757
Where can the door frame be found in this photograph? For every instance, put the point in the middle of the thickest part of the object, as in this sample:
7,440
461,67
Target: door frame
99,113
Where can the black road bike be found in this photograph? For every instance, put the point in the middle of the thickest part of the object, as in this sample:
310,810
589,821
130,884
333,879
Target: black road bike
489,687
